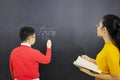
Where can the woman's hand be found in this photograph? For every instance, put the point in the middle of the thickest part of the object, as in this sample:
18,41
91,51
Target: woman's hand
86,71
86,57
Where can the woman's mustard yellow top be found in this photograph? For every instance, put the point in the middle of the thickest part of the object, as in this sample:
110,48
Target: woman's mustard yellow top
108,60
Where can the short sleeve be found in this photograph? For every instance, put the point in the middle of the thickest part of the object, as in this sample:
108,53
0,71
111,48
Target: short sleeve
113,60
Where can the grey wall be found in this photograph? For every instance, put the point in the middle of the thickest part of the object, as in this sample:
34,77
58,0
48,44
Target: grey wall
73,23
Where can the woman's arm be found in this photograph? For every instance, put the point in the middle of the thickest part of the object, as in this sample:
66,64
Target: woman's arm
101,76
88,58
107,76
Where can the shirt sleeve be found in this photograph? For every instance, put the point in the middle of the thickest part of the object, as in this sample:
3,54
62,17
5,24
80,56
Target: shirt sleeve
41,58
113,58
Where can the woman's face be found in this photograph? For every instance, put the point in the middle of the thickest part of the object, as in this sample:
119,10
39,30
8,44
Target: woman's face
100,29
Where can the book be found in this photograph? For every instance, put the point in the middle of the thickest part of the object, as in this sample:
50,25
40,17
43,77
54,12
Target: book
86,64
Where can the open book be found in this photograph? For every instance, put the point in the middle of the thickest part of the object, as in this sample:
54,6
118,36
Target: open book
86,64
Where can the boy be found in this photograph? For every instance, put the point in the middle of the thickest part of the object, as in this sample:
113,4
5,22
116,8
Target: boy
24,60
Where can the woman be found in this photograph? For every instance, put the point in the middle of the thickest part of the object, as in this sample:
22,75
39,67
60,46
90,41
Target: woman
108,59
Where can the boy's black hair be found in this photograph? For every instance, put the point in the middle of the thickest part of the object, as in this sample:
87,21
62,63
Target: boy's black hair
25,32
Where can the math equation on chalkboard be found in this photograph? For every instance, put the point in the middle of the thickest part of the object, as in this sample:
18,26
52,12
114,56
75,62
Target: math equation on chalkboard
47,31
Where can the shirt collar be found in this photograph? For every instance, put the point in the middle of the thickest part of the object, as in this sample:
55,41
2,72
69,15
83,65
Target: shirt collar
25,44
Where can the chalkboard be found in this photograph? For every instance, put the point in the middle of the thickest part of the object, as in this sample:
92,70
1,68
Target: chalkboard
47,31
70,24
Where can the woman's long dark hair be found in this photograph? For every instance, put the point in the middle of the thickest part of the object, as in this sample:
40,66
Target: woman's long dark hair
112,23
